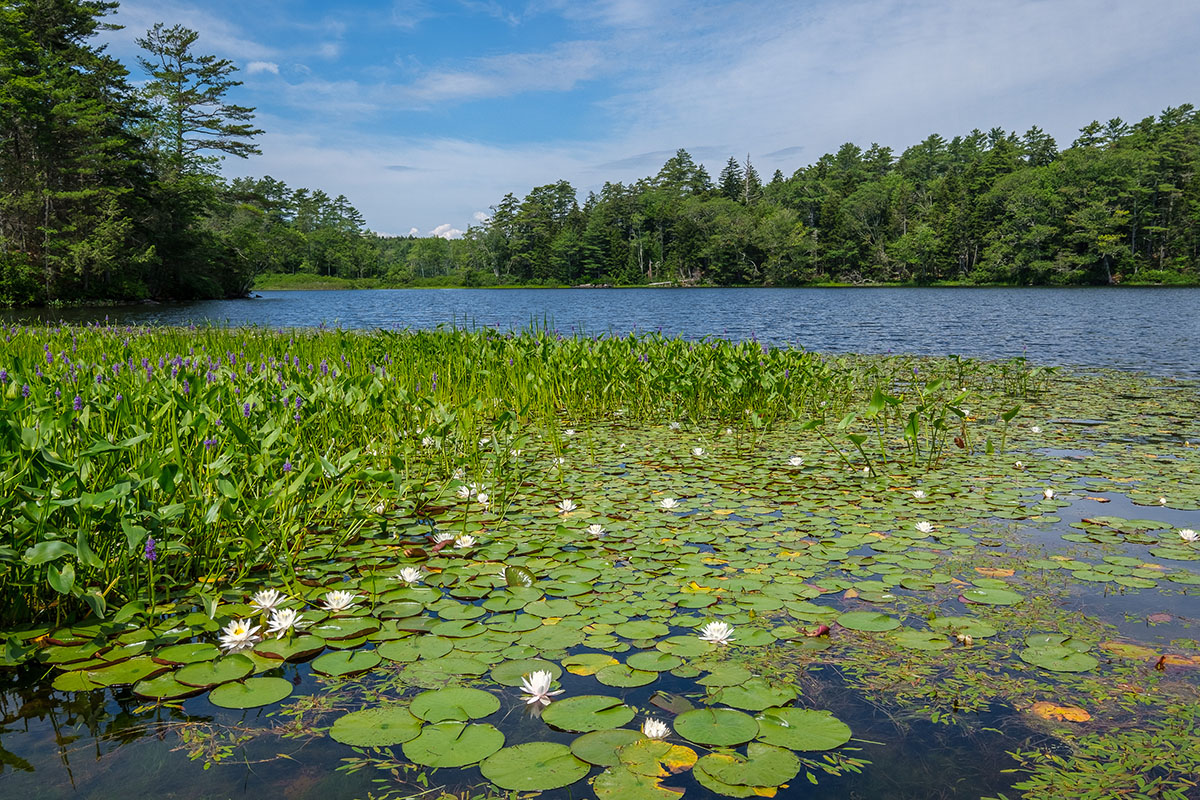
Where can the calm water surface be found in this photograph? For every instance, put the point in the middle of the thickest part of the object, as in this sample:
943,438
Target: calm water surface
1151,330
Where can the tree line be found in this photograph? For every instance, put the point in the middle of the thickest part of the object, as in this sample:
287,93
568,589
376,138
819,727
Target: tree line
1121,204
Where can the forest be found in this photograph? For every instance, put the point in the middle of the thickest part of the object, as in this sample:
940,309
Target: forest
111,190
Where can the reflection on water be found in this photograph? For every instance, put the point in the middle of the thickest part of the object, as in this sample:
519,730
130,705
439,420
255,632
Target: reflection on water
1151,330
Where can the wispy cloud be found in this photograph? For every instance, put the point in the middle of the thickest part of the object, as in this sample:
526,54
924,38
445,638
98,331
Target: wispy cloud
262,66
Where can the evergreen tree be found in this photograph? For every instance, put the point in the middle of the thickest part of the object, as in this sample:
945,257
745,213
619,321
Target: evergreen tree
731,183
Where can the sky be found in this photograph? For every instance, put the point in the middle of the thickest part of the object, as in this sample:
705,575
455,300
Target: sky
425,114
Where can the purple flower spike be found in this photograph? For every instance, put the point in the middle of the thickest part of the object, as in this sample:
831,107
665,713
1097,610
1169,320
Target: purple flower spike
150,552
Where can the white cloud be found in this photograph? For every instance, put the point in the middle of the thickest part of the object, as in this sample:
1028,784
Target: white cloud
414,231
329,50
446,231
481,217
217,35
262,66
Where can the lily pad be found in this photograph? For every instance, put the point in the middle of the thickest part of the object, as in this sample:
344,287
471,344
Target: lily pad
764,765
1057,658
992,597
456,704
600,747
533,767
511,673
719,727
376,727
756,694
619,783
212,673
453,744
251,693
587,712
871,621
802,729
346,662
656,758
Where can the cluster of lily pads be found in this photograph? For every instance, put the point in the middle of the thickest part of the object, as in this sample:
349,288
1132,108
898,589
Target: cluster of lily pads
642,557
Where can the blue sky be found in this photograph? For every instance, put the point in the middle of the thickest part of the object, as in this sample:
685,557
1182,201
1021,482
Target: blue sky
424,114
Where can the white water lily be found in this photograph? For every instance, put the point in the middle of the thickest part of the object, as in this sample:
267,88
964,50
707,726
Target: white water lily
485,441
515,453
655,728
697,451
1188,535
717,632
284,620
427,441
595,529
674,426
1019,465
266,600
566,506
464,492
1035,429
729,431
1162,501
866,470
338,601
918,494
443,536
668,503
796,461
412,575
464,541
558,462
924,527
536,686
569,432
239,634
1048,494
483,500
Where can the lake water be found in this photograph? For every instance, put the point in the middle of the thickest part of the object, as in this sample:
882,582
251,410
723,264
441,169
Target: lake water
1155,330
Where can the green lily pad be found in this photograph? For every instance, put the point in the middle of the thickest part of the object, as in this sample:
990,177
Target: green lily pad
719,727
992,597
1059,659
376,727
802,729
533,767
453,744
455,704
587,712
511,673
921,640
702,772
212,673
685,646
600,747
124,673
726,675
622,676
192,653
871,621
299,648
968,626
764,765
756,694
653,661
251,693
346,662
164,687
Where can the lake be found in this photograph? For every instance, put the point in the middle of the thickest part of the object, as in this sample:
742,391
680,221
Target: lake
1154,330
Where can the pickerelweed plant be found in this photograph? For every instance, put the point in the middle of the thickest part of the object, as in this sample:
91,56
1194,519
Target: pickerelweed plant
231,448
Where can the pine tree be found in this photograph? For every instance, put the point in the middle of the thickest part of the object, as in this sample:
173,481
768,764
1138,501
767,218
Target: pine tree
751,184
732,179
188,94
